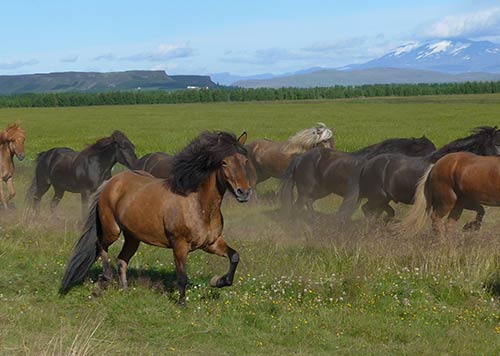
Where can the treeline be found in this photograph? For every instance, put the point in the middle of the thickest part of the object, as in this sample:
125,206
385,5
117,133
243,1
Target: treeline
240,94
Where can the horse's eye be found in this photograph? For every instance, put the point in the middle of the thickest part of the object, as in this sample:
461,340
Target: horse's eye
224,163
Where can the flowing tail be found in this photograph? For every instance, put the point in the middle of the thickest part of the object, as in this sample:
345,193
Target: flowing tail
32,190
416,218
287,185
86,250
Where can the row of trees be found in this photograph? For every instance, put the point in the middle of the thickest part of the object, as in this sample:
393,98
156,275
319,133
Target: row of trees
240,94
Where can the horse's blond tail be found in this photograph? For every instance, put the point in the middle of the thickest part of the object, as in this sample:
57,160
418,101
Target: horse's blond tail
417,217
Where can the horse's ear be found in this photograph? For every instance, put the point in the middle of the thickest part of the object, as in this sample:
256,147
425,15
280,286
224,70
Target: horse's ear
243,138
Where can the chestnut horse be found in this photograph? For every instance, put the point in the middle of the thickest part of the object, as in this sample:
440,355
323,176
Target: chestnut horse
181,212
270,159
11,144
159,164
79,172
456,182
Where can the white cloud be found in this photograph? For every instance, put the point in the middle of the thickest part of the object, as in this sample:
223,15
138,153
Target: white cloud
477,24
69,59
15,64
105,57
163,52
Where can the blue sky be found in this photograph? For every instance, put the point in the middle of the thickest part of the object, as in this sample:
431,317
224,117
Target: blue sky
241,37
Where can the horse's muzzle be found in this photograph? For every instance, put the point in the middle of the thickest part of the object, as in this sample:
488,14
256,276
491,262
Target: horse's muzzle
20,156
243,196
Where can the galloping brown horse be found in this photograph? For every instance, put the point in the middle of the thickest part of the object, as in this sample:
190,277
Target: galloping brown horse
271,159
11,143
456,182
181,212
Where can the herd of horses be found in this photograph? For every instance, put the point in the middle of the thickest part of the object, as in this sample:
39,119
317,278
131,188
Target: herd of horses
174,201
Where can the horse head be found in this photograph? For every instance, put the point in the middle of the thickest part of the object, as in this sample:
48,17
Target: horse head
125,149
233,171
14,136
325,136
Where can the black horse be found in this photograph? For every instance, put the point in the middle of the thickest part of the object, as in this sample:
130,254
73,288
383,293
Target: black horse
394,177
322,171
79,172
158,164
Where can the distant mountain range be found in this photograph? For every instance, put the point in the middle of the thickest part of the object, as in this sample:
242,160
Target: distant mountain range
437,61
332,77
448,56
229,79
99,82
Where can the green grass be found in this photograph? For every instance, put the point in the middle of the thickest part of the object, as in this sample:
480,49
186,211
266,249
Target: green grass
299,289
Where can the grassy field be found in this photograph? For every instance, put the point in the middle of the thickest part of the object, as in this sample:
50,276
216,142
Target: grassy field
301,289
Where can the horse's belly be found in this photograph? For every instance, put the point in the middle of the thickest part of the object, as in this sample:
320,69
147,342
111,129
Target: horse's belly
480,185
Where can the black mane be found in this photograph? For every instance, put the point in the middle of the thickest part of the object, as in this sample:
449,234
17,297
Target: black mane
480,142
105,142
193,165
408,146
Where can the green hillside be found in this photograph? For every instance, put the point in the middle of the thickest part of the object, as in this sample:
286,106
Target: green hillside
99,82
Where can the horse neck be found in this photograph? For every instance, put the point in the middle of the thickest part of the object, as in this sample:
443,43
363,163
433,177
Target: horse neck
472,147
6,156
106,157
211,193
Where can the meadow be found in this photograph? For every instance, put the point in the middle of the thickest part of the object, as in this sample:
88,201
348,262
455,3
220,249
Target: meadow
302,287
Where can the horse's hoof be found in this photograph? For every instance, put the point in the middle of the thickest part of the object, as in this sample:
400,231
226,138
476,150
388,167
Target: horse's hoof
472,226
213,281
11,205
103,281
182,303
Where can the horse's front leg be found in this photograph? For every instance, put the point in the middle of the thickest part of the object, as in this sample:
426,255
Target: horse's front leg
220,248
181,250
85,203
12,192
3,200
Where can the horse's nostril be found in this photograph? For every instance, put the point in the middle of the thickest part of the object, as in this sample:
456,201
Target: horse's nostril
239,191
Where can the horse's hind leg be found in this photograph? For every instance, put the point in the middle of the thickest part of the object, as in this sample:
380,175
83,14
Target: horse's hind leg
128,251
453,217
58,194
220,248
41,188
476,224
110,232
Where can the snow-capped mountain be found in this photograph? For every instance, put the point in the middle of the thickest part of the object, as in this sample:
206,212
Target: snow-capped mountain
444,55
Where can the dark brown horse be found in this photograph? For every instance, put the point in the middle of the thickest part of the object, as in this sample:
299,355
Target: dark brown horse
159,164
11,144
181,212
456,182
270,159
321,171
79,172
394,176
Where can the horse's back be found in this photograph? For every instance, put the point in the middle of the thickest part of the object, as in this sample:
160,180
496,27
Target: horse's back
55,161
